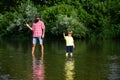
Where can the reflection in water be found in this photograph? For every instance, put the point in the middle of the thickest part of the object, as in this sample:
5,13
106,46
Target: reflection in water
38,69
4,77
114,69
69,69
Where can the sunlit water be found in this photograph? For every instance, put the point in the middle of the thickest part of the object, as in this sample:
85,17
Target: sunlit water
92,60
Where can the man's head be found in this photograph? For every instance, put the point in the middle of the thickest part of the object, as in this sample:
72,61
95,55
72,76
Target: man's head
37,18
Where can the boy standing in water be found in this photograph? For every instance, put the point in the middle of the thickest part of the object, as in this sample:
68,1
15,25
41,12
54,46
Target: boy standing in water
69,43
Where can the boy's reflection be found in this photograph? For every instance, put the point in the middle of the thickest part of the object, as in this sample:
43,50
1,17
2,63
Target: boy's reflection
38,69
69,69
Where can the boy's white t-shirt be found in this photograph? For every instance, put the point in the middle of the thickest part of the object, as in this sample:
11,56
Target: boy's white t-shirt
69,40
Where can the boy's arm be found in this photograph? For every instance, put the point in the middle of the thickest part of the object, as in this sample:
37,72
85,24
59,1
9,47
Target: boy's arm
64,35
28,26
73,44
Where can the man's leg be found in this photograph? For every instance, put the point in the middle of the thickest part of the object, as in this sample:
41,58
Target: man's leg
33,49
41,47
33,45
42,50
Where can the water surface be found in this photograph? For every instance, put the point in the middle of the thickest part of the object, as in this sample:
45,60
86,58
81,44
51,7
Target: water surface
92,60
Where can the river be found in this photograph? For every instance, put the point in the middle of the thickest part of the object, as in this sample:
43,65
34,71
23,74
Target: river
92,60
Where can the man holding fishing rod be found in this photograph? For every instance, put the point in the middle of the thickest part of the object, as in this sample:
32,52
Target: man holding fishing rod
38,29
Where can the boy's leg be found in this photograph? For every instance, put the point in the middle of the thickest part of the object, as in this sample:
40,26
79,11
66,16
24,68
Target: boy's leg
71,50
67,51
71,54
66,55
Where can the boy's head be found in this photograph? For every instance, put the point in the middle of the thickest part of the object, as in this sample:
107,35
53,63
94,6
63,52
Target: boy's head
69,31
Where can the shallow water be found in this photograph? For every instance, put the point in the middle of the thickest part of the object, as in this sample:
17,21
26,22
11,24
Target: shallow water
92,60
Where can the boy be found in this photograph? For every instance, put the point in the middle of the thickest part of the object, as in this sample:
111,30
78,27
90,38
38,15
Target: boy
69,43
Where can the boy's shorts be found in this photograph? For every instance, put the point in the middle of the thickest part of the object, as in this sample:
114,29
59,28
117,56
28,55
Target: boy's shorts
35,39
69,48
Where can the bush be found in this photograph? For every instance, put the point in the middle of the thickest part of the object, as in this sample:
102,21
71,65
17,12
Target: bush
4,22
112,32
13,23
25,13
65,23
50,14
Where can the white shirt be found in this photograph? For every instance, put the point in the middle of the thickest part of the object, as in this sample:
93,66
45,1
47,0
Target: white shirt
69,41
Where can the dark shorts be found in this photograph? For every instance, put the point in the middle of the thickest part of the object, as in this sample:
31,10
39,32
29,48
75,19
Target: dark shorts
69,48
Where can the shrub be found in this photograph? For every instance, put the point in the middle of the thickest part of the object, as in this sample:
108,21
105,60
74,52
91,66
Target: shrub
50,14
25,13
65,23
112,32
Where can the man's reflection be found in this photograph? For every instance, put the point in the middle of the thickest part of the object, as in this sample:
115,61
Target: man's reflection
69,69
38,69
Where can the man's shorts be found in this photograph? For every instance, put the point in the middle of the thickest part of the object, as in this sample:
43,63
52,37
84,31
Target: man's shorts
69,48
35,39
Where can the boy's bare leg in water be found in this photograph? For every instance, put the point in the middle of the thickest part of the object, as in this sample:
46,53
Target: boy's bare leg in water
71,54
66,55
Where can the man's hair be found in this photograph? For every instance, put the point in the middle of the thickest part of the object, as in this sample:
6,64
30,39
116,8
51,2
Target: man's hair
37,16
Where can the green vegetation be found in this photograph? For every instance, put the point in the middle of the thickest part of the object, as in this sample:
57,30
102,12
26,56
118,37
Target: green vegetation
94,19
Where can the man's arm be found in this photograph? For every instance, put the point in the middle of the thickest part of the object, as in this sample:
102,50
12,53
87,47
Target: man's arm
43,33
28,26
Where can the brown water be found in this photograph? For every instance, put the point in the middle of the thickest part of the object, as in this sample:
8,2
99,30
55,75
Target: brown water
92,60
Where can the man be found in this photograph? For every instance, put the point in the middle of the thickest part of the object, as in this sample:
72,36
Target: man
38,29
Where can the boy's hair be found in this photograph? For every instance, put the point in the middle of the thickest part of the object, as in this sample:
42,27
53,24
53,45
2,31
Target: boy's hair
70,31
